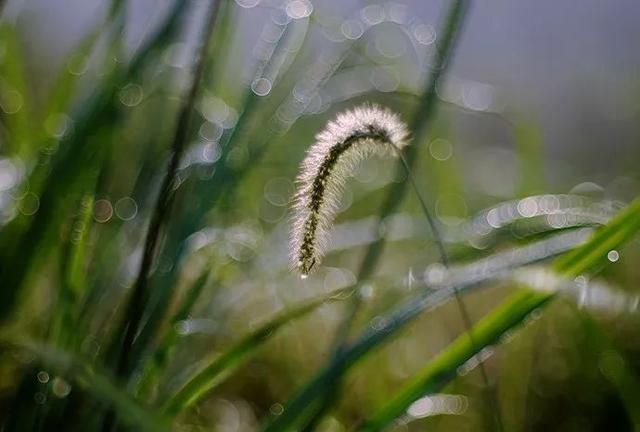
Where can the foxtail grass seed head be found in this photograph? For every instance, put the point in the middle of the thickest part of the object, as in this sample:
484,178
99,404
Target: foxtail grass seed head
348,139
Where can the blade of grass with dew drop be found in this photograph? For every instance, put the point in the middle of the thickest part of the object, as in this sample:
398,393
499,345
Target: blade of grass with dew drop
511,313
396,320
596,345
93,381
222,365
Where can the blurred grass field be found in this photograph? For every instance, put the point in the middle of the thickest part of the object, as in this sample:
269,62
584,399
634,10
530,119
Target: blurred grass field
146,179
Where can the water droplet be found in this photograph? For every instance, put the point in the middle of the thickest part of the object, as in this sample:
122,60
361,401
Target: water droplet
276,409
126,208
278,190
440,149
247,4
297,9
78,64
10,101
43,377
60,387
131,95
352,29
372,14
57,124
424,34
102,211
29,204
261,86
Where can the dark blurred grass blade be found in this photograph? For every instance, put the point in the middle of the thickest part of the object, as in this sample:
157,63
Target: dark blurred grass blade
420,124
137,302
396,320
208,192
14,96
73,267
70,164
619,371
511,313
92,381
240,352
160,358
159,299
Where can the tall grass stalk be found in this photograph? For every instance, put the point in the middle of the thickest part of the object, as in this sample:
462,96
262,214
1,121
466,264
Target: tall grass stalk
137,303
138,300
419,128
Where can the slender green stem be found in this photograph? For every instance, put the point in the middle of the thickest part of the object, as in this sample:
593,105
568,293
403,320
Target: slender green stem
210,375
419,126
464,312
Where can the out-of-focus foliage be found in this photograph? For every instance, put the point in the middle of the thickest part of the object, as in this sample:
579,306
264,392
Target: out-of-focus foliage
145,282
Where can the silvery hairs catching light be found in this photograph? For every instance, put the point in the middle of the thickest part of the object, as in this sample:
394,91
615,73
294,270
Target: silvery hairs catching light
340,146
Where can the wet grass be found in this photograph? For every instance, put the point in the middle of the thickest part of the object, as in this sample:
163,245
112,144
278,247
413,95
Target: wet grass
121,316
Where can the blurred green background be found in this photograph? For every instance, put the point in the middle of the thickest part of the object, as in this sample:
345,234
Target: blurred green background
532,143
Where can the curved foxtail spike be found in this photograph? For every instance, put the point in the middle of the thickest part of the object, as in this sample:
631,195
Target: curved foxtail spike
353,136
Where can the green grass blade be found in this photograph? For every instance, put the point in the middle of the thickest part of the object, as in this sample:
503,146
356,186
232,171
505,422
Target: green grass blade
487,331
73,277
160,297
137,303
307,398
169,339
420,125
224,364
616,369
74,158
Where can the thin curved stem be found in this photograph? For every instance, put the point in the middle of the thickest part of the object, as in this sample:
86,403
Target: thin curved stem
462,308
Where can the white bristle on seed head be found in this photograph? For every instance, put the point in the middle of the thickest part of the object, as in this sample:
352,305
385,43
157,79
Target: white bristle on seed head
348,139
